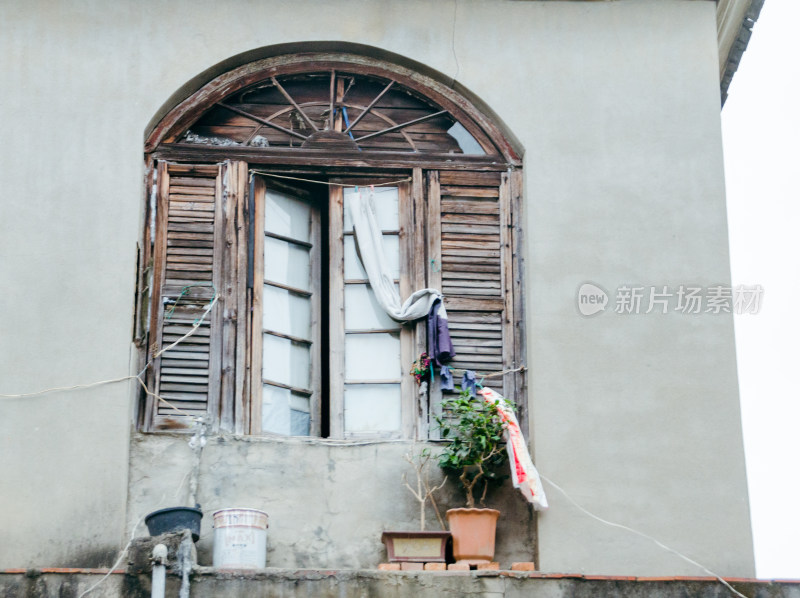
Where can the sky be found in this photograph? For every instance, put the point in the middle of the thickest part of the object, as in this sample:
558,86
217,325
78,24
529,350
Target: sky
760,125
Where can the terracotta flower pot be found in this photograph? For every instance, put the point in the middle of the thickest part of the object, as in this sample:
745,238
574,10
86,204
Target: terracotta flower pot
473,534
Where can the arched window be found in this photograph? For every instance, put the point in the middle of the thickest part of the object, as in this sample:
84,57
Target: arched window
249,178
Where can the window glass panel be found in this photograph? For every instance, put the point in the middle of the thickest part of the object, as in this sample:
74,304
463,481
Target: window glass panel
465,140
287,313
284,412
300,422
300,415
286,362
386,207
371,408
287,263
299,403
352,264
287,216
372,357
275,416
362,310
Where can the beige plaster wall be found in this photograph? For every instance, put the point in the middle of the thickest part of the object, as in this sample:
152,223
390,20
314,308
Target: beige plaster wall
328,501
617,107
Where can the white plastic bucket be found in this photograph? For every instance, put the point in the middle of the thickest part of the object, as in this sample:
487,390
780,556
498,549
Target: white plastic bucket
240,539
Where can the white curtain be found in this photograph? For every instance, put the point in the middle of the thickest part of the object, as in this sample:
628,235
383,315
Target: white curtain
369,240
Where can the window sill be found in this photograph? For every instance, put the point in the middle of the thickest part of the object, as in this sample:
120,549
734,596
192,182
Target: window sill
293,440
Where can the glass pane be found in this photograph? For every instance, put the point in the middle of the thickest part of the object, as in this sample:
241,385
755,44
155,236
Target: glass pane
287,313
300,415
372,357
284,412
465,140
301,423
362,310
287,216
371,408
300,403
275,416
286,362
352,264
386,207
287,263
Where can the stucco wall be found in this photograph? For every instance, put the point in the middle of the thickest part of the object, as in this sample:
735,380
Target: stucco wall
328,502
617,107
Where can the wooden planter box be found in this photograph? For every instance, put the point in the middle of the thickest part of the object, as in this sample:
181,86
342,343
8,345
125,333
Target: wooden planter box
416,547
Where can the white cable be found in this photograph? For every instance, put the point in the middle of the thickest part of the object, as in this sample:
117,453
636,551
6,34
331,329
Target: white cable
60,388
137,377
643,535
118,561
193,329
329,183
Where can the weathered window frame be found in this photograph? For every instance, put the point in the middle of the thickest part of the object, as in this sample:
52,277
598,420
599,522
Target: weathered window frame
233,411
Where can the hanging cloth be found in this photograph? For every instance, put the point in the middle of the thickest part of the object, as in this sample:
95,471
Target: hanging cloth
468,381
446,376
523,472
440,346
369,240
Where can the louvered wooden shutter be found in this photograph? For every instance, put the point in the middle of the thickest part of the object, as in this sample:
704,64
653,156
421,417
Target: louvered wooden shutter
470,246
187,271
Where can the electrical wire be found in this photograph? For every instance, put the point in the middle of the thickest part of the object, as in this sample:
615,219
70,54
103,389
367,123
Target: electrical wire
118,561
491,374
194,328
138,377
328,183
453,40
643,535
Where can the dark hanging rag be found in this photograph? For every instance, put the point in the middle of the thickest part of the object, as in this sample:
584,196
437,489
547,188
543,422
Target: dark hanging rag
469,381
446,377
440,347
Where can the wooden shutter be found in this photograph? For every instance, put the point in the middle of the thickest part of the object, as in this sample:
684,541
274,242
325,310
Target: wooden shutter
187,272
470,246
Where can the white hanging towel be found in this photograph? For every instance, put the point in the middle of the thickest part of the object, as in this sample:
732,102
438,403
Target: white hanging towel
523,472
369,241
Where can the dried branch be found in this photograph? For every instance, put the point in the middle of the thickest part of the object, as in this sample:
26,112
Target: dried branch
424,491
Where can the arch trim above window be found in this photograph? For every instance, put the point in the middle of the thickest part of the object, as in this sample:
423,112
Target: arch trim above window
397,112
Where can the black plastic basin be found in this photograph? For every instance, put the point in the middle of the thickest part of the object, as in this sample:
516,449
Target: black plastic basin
174,519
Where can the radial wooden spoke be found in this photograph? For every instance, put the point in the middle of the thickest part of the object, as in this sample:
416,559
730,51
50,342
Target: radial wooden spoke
368,108
333,98
258,119
255,132
293,103
402,125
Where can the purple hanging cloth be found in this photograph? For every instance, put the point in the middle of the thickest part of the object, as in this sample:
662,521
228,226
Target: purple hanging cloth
440,347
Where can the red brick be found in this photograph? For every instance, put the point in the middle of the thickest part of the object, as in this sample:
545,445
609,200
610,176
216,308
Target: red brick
389,567
435,567
458,567
489,566
523,566
411,567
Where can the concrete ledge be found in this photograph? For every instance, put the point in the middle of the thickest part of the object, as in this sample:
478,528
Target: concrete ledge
322,583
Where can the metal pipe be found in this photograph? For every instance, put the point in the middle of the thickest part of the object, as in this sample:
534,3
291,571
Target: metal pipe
185,562
159,571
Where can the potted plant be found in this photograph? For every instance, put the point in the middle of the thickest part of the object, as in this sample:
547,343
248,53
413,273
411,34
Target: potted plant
475,453
419,546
